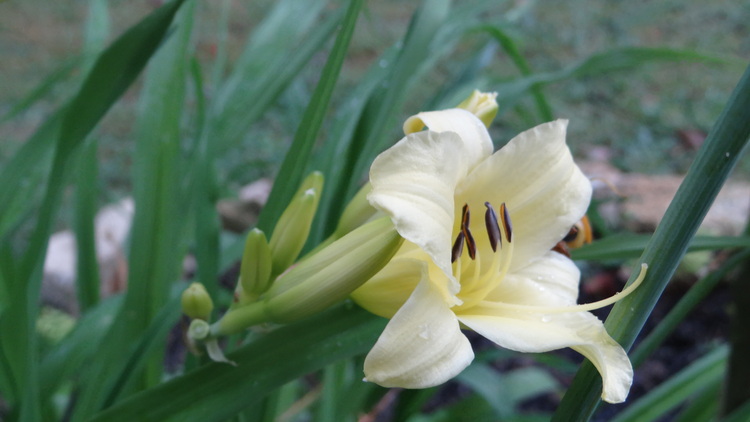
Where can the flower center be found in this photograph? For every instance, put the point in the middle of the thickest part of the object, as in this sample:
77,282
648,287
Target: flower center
478,279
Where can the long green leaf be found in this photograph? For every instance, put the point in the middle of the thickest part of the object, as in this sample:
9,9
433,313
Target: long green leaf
262,74
295,164
217,391
113,72
627,246
704,372
87,268
598,64
511,49
698,292
78,348
383,106
23,176
704,179
156,238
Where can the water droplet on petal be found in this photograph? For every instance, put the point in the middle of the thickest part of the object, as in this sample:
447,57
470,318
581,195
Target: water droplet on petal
546,318
424,331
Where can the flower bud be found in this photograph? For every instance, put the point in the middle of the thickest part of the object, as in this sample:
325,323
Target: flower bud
482,104
356,213
333,273
196,302
325,278
294,225
255,270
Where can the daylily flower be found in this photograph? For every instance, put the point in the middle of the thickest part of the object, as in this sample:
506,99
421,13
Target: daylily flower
495,275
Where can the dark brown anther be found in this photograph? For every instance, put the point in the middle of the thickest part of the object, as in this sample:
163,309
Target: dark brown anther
572,234
458,247
505,216
470,243
493,228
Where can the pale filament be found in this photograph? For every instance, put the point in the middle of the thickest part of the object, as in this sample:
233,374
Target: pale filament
573,308
476,286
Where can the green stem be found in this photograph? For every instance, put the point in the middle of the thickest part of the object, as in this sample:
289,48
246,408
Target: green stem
663,253
239,319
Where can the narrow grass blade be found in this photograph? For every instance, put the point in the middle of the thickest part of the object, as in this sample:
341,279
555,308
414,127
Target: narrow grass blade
504,391
113,72
669,243
737,391
383,106
157,233
23,177
87,267
598,64
627,246
215,392
57,76
692,298
511,49
296,162
739,415
339,141
262,74
704,406
78,348
704,372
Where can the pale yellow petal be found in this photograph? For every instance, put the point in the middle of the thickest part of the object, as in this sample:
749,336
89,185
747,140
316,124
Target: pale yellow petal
422,345
472,131
549,280
414,182
389,289
537,332
544,190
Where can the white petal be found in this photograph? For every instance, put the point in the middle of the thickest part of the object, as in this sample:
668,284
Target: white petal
414,182
474,133
386,292
550,280
422,345
545,192
582,331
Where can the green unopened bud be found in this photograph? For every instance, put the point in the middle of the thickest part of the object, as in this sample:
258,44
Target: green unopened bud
255,270
196,302
330,275
356,213
198,330
482,104
294,225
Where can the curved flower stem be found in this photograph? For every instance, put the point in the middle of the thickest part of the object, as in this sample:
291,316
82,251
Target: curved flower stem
667,246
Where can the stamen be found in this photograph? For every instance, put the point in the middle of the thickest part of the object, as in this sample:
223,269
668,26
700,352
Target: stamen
505,217
458,247
493,229
470,243
574,308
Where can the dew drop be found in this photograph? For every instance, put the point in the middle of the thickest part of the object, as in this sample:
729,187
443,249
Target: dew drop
424,331
383,63
726,154
546,318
